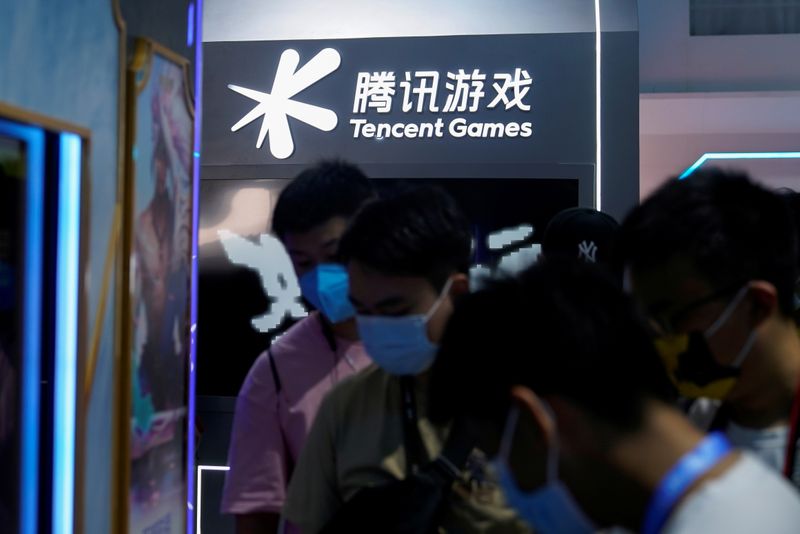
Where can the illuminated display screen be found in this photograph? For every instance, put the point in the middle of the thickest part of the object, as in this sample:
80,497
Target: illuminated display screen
12,222
241,264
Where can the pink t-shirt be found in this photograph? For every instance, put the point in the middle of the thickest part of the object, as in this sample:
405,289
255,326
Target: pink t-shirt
269,428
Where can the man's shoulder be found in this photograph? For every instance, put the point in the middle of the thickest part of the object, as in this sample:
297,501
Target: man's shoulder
289,349
730,504
303,337
363,387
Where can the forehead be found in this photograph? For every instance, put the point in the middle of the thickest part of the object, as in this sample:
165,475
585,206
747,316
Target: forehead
369,285
669,284
330,230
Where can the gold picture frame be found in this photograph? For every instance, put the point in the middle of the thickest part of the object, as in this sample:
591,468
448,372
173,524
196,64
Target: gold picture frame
152,282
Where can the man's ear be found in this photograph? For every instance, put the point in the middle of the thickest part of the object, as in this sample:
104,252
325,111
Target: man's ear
459,285
765,301
532,441
531,404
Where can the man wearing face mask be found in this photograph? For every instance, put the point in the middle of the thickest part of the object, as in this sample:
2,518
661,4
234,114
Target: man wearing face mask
283,390
712,261
407,257
561,379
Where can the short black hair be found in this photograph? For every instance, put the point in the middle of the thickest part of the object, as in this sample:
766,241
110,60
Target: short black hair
793,202
418,232
731,229
329,189
563,328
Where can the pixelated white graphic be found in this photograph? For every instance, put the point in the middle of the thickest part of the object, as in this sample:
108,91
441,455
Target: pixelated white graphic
587,250
277,106
177,337
517,261
510,263
272,262
508,236
520,83
374,91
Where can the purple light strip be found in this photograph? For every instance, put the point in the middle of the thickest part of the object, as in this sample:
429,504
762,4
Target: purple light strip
198,115
190,26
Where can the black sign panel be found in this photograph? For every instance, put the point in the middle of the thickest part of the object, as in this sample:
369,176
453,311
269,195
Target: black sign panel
237,257
509,98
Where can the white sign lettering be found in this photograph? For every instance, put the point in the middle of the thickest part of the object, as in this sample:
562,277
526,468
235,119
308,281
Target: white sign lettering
418,92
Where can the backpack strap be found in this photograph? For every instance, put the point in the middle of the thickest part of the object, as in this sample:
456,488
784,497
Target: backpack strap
327,332
276,378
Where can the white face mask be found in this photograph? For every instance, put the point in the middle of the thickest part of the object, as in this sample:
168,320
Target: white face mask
550,509
400,345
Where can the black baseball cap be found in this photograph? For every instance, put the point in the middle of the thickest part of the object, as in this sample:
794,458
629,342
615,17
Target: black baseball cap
581,233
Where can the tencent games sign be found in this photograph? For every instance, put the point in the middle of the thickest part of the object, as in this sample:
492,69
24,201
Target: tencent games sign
375,92
387,99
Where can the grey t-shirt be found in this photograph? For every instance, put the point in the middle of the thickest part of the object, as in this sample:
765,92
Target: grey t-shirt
748,498
768,444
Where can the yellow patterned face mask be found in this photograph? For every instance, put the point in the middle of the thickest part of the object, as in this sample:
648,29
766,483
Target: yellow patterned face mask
692,368
691,364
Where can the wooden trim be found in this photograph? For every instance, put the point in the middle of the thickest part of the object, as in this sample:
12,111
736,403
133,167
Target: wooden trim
118,503
37,119
100,314
119,20
142,61
125,389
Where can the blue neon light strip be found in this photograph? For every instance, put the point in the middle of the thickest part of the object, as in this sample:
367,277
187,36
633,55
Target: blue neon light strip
737,155
33,138
198,116
190,26
66,346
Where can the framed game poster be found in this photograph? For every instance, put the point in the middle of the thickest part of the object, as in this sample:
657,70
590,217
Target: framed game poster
160,120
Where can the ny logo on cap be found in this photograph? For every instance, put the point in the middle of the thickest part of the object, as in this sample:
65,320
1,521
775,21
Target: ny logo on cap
587,251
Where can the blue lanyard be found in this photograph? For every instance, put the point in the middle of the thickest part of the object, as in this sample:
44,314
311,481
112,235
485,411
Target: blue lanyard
692,466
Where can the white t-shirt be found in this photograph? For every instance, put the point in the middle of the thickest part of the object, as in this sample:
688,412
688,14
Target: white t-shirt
749,498
768,444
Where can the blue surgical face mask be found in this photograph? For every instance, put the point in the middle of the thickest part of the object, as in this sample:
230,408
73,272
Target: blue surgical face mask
327,288
550,509
400,345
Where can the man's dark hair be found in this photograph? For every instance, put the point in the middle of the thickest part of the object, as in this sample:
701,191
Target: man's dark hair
563,328
730,229
326,190
793,202
418,232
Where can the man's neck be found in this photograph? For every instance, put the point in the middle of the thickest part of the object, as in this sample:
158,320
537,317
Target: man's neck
644,459
347,330
773,371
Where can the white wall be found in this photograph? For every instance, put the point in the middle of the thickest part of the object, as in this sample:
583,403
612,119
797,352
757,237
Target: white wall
259,20
677,128
673,61
714,94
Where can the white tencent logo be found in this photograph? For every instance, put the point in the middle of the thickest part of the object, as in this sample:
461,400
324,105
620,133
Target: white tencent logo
277,106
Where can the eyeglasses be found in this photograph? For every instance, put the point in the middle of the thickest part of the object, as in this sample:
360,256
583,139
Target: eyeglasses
666,321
